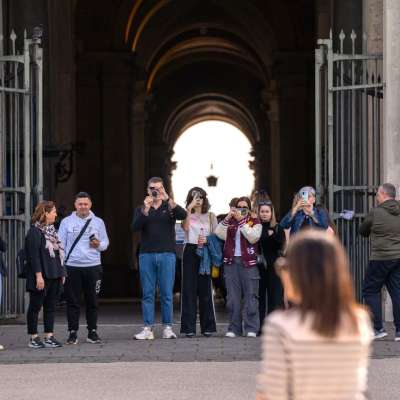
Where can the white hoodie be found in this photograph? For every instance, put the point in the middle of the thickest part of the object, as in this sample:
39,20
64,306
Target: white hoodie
83,255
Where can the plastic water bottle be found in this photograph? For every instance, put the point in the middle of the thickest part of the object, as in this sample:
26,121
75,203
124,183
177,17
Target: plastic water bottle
200,245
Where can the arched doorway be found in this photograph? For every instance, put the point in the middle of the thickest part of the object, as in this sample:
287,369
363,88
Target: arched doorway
222,146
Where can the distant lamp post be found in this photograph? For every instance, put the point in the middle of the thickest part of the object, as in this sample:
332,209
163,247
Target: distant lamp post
212,180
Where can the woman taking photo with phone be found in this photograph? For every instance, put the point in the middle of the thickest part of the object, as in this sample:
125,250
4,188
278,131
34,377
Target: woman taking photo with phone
318,349
304,213
241,232
198,225
45,273
270,246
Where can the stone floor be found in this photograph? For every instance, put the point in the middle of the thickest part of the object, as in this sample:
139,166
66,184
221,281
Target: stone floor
117,325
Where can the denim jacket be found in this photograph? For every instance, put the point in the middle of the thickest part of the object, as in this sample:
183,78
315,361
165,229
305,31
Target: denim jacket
210,254
295,222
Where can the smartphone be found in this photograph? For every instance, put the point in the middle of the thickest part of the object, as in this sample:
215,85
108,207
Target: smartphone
243,211
92,237
304,195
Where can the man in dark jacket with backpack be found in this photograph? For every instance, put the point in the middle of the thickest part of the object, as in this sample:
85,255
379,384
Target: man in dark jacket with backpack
382,224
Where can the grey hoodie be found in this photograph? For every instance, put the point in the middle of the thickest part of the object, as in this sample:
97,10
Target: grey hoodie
383,224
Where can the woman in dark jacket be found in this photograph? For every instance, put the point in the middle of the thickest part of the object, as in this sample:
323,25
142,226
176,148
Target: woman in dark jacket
271,246
45,274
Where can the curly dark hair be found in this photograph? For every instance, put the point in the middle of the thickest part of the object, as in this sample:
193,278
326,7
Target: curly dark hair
189,198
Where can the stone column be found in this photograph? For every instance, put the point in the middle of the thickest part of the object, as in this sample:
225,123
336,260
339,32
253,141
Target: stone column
271,101
391,129
373,25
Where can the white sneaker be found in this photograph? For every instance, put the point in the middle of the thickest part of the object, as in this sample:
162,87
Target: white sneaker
1,347
251,334
230,334
168,333
146,334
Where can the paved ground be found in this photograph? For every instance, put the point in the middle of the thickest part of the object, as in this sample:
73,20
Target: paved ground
159,381
121,368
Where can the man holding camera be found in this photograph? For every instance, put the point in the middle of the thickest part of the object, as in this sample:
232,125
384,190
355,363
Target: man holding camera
155,220
84,237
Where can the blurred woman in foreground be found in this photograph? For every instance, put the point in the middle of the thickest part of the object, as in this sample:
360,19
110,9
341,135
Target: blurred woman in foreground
319,348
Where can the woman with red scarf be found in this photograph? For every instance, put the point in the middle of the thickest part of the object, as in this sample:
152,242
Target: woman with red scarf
241,232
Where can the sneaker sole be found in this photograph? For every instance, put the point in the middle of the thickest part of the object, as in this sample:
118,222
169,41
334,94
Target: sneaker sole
170,337
381,335
397,339
93,341
145,338
76,342
52,346
35,347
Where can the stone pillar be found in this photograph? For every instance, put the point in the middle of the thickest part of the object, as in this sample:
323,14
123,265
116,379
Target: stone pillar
271,100
61,100
391,131
373,25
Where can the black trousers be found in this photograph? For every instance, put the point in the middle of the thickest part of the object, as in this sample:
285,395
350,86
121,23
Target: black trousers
379,273
195,286
270,292
46,298
88,281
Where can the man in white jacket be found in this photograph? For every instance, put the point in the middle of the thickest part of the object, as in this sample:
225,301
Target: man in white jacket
84,237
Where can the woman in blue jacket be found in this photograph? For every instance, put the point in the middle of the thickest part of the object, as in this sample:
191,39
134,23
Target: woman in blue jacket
304,213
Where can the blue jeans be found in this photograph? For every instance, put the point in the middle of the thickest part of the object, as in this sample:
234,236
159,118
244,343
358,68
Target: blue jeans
157,268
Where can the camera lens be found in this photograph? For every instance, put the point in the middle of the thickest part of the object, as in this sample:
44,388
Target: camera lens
154,193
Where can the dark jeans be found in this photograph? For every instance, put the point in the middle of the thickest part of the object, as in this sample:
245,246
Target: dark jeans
195,286
271,292
88,281
379,273
46,298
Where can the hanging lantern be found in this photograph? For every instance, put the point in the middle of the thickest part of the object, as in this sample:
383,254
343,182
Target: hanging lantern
212,180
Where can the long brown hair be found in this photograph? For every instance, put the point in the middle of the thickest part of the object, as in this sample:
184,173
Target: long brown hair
190,196
269,204
43,207
319,270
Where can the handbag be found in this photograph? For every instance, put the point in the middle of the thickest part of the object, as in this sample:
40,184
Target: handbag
214,269
261,258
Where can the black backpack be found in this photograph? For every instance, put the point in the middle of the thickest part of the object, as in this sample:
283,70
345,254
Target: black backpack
22,264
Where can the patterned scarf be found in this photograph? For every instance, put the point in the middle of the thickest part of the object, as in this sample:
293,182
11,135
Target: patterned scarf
53,243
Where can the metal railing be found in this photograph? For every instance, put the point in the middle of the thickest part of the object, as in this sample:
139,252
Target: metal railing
349,100
21,174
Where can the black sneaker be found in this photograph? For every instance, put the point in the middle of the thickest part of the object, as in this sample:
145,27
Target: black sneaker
51,342
93,337
72,338
207,334
190,335
36,343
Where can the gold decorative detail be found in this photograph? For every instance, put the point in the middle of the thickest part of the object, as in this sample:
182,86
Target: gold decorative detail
134,10
146,19
198,44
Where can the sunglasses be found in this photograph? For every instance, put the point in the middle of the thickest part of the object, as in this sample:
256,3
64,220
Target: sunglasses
265,203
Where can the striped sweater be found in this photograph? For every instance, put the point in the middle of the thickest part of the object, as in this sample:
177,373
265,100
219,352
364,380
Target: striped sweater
299,364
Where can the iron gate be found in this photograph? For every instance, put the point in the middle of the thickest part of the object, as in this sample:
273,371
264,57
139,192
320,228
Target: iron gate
349,100
21,175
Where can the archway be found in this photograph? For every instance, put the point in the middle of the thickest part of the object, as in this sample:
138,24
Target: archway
221,145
